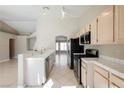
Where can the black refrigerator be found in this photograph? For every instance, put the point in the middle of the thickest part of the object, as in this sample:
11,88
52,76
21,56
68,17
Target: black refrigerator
73,47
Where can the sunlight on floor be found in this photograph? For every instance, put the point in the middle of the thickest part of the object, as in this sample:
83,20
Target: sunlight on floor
49,84
61,76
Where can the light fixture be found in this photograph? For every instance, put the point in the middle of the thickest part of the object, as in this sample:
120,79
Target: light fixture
63,12
45,9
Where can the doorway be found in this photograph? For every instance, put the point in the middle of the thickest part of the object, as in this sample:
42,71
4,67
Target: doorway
11,48
61,44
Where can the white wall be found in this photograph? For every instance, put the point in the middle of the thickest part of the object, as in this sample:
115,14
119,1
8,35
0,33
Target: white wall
21,44
48,28
4,45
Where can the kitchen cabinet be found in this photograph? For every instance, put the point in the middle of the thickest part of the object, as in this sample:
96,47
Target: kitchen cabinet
101,79
88,27
83,30
94,32
105,27
50,62
87,74
83,75
113,86
119,24
116,82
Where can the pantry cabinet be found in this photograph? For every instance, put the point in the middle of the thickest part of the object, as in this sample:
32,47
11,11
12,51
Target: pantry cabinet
119,24
105,27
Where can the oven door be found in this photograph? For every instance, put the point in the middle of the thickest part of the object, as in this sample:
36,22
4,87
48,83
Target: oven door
77,69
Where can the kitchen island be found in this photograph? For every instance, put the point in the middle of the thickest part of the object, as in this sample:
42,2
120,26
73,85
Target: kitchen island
37,67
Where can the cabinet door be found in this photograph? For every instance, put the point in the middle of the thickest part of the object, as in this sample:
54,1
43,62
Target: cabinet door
87,28
83,76
113,86
119,23
94,32
105,27
117,81
83,30
100,81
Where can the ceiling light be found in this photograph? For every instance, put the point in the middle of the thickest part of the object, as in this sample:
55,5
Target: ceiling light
44,13
63,12
45,9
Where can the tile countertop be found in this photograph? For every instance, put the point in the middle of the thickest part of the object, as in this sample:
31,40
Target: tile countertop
116,68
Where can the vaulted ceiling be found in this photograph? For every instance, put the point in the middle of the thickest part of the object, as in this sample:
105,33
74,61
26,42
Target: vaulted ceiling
24,17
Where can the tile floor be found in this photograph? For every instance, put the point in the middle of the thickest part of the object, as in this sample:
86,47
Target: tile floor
60,77
8,74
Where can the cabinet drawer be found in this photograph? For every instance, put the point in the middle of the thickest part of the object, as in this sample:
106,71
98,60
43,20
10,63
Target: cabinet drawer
83,64
101,71
117,81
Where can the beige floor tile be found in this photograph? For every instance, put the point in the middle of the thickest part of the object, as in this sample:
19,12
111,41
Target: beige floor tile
60,77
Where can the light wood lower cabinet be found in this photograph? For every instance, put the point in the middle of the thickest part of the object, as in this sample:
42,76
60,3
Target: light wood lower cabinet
113,85
100,81
87,74
83,76
116,82
100,78
106,79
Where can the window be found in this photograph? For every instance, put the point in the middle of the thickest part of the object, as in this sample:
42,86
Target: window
63,46
57,46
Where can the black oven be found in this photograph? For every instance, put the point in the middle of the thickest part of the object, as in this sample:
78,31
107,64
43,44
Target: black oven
77,66
90,53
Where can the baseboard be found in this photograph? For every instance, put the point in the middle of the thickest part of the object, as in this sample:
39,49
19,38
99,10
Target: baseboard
4,60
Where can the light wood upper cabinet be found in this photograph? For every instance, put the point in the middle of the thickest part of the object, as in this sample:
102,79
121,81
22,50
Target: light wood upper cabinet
105,27
83,30
119,24
94,32
87,28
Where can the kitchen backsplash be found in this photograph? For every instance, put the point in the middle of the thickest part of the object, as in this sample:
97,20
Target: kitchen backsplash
116,51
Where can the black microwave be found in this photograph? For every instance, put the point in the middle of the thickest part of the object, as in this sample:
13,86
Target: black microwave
85,38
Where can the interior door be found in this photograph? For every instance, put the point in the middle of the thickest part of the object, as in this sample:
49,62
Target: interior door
11,48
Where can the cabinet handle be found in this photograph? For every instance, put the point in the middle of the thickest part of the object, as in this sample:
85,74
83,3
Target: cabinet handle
113,23
97,30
